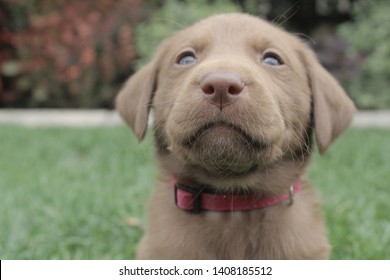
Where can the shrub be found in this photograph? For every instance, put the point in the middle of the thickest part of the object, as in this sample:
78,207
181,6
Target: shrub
368,35
67,53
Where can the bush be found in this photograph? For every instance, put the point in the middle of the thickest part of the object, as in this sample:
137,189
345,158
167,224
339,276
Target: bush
66,53
368,35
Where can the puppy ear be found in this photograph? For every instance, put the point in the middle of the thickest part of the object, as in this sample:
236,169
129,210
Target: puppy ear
333,109
134,100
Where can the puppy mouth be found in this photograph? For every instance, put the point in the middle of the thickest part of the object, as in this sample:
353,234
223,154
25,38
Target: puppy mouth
224,127
224,148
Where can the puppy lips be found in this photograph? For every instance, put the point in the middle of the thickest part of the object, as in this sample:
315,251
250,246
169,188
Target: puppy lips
223,148
226,129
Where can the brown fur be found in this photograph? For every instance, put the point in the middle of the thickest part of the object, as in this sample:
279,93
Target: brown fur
265,148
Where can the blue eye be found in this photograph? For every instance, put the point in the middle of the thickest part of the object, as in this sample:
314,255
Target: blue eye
186,59
272,59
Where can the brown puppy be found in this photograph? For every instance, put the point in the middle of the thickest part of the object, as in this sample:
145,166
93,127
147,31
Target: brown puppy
235,102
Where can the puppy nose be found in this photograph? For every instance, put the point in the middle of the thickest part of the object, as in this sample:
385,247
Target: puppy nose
222,88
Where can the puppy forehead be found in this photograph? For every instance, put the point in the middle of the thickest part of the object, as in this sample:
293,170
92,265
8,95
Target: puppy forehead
233,30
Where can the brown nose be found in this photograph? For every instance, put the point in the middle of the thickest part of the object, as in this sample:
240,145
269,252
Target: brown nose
222,88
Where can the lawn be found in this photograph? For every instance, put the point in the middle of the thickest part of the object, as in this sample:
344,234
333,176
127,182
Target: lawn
79,193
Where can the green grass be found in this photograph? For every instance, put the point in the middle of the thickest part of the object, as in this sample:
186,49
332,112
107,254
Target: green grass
67,193
354,180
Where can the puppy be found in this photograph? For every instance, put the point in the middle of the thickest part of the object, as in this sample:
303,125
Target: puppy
235,103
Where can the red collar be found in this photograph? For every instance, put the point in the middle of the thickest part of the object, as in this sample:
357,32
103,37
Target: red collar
197,199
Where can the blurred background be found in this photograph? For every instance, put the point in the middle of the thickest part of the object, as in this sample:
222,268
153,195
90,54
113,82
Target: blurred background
80,192
77,54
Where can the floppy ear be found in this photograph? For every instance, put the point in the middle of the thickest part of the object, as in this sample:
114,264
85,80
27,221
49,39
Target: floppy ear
333,109
134,99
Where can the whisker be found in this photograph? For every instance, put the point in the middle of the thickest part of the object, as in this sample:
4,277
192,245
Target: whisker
287,15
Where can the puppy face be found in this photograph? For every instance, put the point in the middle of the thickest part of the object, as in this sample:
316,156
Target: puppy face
233,94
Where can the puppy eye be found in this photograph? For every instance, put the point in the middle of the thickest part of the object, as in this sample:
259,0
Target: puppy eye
272,59
186,58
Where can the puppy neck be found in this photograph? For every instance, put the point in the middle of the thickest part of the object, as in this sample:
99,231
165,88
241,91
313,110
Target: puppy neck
272,180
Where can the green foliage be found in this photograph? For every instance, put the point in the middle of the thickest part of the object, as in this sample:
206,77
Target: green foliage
174,15
78,53
369,35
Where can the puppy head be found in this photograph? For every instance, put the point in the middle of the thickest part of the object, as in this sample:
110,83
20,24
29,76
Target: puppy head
232,94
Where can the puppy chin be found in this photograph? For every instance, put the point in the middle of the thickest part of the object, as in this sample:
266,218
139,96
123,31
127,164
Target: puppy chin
223,151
